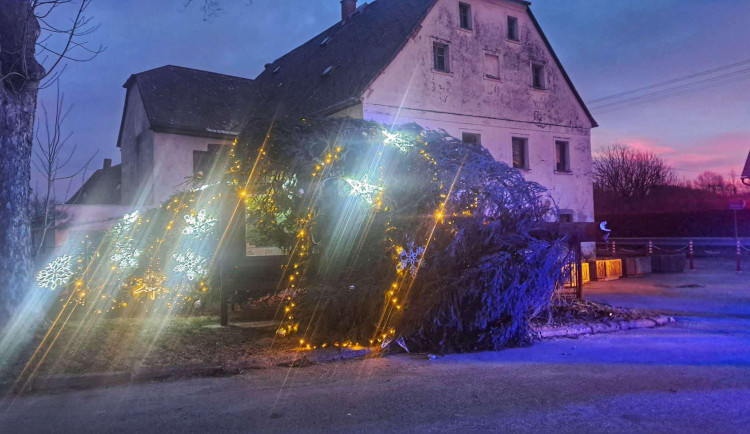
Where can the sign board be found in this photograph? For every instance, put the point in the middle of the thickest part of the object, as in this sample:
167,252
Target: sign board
737,204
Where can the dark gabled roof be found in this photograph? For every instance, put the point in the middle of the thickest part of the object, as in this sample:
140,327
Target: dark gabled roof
358,50
192,101
746,170
102,188
562,69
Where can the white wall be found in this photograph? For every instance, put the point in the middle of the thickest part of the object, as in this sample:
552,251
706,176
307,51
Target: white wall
136,150
464,100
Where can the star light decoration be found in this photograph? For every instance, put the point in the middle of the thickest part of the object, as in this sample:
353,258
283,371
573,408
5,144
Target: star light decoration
199,223
192,265
398,140
57,273
126,255
410,259
150,284
363,189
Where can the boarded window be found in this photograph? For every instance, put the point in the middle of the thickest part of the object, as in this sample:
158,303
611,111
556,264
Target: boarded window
513,28
520,153
472,138
537,72
441,55
491,66
464,14
562,156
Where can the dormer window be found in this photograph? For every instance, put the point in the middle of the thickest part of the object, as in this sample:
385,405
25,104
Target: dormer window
512,29
464,16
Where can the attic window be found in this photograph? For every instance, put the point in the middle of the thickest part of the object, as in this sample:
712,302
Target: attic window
464,14
326,72
512,28
277,69
325,41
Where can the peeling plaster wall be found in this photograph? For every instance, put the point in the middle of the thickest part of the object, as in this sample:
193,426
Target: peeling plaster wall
465,100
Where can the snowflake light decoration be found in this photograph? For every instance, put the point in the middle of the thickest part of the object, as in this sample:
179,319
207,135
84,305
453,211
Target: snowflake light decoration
191,264
57,273
126,255
199,223
398,140
126,223
410,259
363,188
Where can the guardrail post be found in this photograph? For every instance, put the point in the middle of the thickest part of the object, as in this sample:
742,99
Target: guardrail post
690,253
650,247
739,257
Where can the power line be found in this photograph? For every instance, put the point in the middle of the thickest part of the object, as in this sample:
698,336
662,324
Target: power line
676,90
674,80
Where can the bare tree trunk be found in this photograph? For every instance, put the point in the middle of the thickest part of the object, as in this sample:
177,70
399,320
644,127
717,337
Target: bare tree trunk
19,85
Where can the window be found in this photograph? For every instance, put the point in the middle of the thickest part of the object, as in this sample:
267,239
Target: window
441,55
203,161
513,28
491,66
565,216
537,76
464,16
473,138
562,156
520,152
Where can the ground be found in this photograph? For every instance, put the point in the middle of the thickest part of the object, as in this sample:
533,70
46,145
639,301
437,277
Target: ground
690,376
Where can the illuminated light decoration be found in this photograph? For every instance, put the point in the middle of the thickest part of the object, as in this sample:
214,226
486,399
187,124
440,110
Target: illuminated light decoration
409,259
150,284
126,255
398,140
126,223
192,265
198,224
57,273
363,189
203,187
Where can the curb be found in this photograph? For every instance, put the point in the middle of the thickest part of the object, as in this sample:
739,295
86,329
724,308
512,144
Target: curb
106,379
575,330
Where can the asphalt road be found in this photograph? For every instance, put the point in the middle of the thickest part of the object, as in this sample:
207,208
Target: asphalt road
693,376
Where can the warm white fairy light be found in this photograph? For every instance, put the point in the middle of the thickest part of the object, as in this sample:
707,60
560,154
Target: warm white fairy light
363,188
57,273
192,265
126,255
199,223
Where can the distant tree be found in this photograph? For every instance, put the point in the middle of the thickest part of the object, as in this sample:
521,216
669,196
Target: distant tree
712,182
630,175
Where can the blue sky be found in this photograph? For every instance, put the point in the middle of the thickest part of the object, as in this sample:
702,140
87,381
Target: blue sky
607,46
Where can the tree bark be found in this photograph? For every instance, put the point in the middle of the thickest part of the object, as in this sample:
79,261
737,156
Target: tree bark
19,86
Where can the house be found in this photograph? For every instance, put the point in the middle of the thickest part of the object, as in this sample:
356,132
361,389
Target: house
482,70
746,172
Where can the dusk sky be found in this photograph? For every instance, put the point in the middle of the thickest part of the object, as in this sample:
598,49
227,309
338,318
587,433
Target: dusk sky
607,47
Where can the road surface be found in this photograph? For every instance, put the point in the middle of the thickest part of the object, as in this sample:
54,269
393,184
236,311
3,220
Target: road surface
693,376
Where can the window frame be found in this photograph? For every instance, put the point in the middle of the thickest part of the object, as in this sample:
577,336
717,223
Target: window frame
535,66
496,61
566,168
478,136
515,36
446,56
470,18
525,147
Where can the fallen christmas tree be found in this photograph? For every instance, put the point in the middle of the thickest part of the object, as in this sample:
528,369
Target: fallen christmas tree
388,234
